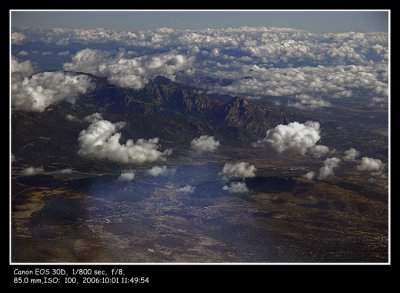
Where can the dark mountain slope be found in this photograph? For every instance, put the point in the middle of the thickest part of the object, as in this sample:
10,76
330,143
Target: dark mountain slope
165,109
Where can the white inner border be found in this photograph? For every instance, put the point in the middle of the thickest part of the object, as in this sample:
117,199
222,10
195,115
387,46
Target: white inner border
208,10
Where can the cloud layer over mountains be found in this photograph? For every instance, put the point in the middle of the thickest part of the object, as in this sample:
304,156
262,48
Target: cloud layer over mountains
308,68
129,72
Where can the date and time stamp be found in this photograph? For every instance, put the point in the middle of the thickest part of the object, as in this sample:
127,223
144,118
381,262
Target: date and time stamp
76,276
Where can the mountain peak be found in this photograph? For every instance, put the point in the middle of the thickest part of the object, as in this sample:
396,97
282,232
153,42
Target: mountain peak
238,102
162,80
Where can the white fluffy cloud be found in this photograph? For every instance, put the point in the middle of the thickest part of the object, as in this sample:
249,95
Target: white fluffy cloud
370,164
294,137
92,118
238,170
31,171
327,169
72,118
351,154
272,45
101,140
309,68
309,175
304,101
161,171
128,72
22,53
17,37
204,143
65,171
186,189
39,91
236,187
63,53
21,69
319,150
128,175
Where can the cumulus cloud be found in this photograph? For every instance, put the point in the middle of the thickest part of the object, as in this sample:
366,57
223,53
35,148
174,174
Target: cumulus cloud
101,141
370,164
309,175
327,169
22,53
72,118
65,171
378,100
48,88
128,72
17,38
92,118
128,175
21,69
319,150
236,187
31,171
351,154
13,159
238,170
204,143
304,101
39,91
294,137
186,189
63,53
161,171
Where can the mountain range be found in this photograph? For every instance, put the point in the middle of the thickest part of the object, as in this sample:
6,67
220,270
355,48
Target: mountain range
169,110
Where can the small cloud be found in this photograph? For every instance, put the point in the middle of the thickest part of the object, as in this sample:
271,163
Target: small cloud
327,169
22,53
65,171
72,118
204,143
378,100
370,164
63,53
215,52
309,175
20,70
31,171
319,150
307,102
236,187
17,38
127,176
13,159
93,118
186,189
46,53
238,170
351,154
161,171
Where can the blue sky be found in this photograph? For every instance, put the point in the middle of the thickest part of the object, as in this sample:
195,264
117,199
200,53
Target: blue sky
312,21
